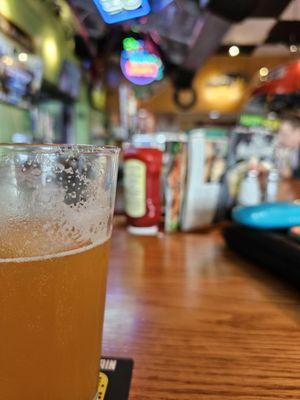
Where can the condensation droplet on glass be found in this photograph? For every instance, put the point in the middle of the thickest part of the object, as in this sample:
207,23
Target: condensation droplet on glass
36,172
60,167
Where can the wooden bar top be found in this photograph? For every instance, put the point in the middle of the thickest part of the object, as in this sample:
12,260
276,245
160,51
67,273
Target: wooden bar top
199,322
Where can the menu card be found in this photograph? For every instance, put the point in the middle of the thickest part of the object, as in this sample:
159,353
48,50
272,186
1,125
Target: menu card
115,378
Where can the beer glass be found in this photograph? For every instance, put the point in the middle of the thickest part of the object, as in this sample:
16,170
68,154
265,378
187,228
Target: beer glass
56,209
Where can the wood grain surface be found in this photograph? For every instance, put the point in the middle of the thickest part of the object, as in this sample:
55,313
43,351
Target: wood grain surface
199,322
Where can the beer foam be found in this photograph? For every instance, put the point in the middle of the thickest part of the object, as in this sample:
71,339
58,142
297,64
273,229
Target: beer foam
54,255
55,206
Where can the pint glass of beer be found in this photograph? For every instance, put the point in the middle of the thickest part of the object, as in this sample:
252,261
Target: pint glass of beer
56,208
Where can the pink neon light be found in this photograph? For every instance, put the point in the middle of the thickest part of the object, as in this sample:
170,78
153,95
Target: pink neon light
141,69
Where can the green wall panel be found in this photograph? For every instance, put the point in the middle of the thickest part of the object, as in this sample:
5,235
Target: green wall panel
54,43
12,120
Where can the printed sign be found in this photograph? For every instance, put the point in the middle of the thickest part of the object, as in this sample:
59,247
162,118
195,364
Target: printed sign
115,378
114,11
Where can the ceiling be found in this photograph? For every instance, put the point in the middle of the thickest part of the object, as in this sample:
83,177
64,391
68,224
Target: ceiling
269,31
186,35
271,28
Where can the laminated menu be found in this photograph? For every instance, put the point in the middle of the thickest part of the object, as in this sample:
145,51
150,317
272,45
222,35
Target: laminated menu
203,201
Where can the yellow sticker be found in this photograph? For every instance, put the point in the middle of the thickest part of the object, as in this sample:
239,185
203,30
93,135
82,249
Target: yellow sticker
103,384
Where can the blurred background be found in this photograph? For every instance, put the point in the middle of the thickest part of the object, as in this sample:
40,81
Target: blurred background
151,73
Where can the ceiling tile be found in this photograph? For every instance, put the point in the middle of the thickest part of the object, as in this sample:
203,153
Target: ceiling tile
292,11
266,10
285,32
249,32
269,50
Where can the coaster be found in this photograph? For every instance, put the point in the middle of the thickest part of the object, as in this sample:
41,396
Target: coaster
115,378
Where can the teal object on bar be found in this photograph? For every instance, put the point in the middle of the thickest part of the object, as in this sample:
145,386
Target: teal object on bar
280,215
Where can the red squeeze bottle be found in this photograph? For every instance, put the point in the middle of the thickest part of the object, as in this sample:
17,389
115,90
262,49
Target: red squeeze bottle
142,169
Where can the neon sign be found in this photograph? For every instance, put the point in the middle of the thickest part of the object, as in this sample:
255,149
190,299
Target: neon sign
139,65
114,11
144,70
131,44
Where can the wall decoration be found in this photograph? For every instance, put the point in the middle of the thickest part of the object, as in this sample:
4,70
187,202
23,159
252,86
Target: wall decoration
21,73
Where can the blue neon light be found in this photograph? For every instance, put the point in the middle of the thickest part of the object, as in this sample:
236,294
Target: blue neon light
122,12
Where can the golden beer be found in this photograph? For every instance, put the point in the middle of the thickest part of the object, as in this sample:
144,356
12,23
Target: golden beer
50,324
53,271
